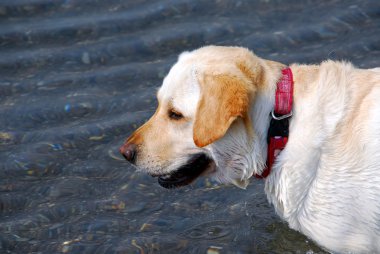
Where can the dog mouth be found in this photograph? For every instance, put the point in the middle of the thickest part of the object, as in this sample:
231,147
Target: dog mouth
187,173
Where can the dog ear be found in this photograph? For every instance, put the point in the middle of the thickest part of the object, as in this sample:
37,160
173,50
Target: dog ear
223,98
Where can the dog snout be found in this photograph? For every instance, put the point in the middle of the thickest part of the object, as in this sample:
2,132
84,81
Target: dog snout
129,151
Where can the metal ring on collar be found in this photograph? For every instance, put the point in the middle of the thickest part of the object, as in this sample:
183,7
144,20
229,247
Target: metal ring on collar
281,117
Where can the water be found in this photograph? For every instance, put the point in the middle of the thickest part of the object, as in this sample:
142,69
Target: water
78,76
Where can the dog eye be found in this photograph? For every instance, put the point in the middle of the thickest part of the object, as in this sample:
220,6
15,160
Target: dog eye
175,115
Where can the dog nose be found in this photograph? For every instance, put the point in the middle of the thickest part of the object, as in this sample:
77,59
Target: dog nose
128,151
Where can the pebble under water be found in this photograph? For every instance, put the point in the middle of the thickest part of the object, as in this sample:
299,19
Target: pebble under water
78,76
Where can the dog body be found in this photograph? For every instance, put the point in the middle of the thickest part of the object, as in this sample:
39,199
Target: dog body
326,182
213,117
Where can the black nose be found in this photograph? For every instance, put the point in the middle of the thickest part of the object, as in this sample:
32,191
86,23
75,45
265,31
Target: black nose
129,152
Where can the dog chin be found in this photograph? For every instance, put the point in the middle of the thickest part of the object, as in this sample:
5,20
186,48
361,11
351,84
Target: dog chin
197,165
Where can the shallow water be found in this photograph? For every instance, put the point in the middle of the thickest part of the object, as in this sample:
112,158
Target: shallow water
78,76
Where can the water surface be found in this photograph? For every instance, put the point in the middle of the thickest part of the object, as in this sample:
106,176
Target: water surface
78,76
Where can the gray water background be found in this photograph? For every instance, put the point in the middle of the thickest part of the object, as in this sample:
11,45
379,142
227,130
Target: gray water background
78,76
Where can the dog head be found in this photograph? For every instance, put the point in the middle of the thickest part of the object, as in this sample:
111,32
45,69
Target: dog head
203,121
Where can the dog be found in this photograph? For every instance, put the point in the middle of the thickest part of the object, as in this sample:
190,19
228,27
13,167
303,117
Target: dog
215,107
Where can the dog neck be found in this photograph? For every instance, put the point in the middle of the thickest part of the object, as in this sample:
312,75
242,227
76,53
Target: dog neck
278,130
264,104
293,172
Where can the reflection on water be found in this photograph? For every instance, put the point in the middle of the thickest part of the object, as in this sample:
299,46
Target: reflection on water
78,76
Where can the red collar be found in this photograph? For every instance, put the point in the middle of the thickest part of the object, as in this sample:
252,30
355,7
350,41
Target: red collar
278,131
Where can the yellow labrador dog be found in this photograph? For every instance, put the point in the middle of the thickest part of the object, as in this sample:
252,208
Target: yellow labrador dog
214,111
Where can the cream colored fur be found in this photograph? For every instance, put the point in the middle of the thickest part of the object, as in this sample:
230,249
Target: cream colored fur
325,183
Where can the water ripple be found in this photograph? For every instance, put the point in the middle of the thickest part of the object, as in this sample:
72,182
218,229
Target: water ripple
78,76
